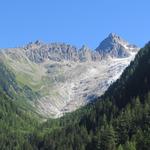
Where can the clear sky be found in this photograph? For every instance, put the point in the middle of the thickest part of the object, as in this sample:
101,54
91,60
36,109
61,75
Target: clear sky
75,22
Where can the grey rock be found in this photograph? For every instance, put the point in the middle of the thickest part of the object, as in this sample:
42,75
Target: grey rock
39,52
115,46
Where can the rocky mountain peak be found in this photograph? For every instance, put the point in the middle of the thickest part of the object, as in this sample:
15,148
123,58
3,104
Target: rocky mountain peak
33,45
113,35
38,42
84,48
115,46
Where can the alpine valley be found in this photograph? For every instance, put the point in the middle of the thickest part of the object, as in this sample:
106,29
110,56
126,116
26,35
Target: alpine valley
58,97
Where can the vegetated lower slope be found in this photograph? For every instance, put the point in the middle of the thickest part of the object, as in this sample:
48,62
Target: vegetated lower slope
22,95
120,119
17,118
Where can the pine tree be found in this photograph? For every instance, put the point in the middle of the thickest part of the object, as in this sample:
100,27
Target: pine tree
108,139
120,147
130,146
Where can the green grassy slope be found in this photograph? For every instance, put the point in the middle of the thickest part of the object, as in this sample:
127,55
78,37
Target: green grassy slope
16,117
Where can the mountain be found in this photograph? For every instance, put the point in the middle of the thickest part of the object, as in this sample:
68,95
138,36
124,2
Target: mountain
65,77
119,120
115,46
39,52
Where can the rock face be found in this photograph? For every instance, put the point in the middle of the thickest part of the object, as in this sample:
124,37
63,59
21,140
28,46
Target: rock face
66,77
39,52
115,46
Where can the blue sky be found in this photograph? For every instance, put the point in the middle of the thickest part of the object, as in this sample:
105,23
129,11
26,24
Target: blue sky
75,22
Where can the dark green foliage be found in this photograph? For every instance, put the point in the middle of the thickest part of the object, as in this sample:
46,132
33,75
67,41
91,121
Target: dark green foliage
14,124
